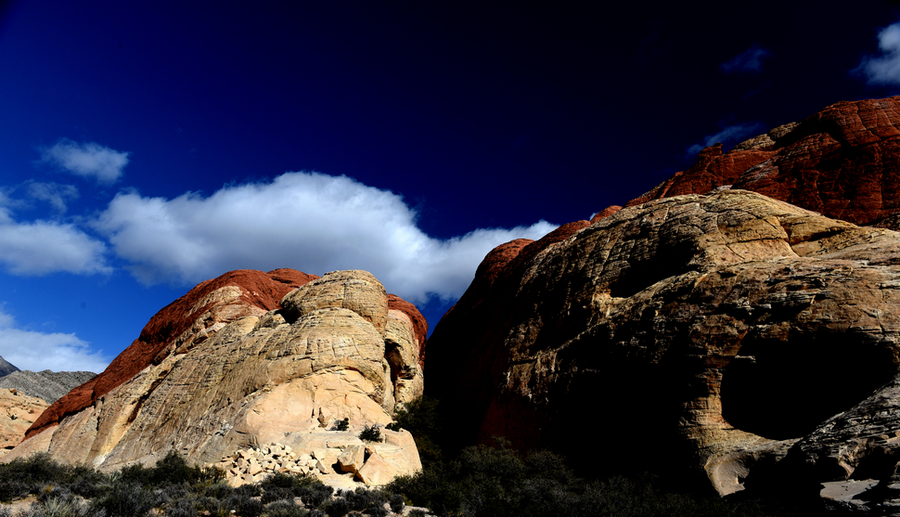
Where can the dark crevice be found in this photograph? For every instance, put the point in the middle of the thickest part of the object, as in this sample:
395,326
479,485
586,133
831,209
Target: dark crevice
785,389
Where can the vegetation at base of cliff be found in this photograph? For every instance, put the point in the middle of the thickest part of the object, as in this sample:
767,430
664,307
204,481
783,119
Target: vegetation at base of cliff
485,481
173,488
422,418
481,481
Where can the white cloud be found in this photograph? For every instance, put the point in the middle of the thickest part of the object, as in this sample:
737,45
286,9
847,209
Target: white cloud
304,220
57,195
728,134
90,160
36,351
42,247
749,60
884,68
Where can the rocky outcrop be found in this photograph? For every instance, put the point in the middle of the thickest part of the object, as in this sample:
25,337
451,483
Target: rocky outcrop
181,325
6,368
46,385
338,458
231,365
718,333
17,412
843,162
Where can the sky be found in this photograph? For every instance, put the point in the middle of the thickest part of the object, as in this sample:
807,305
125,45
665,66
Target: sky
148,146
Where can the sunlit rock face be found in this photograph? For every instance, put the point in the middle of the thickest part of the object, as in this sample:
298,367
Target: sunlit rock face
17,412
248,358
715,334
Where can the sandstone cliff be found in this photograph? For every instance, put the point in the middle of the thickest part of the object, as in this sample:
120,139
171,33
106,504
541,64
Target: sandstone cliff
17,412
719,332
843,162
244,360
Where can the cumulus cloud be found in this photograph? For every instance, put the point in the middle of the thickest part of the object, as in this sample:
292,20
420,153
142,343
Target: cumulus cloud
728,135
29,350
884,68
748,61
42,247
55,194
90,160
304,220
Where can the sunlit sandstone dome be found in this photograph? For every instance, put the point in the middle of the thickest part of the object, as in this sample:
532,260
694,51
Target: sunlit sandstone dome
246,360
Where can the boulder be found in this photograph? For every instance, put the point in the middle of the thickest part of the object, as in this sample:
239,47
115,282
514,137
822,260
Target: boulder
705,337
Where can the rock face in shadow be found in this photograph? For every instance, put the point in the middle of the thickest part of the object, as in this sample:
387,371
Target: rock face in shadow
248,358
695,334
843,162
6,368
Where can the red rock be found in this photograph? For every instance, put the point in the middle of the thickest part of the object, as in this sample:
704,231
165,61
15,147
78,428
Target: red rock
843,162
420,324
606,212
157,339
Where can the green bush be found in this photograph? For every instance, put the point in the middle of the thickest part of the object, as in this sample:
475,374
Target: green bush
126,500
341,425
370,433
422,419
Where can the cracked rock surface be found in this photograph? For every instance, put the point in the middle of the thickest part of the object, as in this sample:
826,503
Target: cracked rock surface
704,335
235,365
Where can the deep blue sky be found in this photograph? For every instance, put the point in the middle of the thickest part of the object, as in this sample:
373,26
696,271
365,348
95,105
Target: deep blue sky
444,119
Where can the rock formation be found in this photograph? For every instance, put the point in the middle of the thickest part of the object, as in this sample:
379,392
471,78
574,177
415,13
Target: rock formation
6,368
717,332
843,162
17,412
245,359
46,385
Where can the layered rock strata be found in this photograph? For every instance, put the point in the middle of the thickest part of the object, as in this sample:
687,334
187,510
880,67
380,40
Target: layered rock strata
231,365
719,332
17,412
47,385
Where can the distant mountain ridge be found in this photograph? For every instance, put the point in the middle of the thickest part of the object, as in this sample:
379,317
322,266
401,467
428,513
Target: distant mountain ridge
46,385
6,368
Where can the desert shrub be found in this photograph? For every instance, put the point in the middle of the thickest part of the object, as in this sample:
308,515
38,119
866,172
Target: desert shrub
362,500
285,508
277,494
248,490
341,425
314,495
172,469
125,500
218,490
185,507
245,506
337,507
422,419
214,507
370,433
291,482
24,476
397,503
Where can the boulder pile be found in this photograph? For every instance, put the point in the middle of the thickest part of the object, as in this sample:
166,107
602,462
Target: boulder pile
337,458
